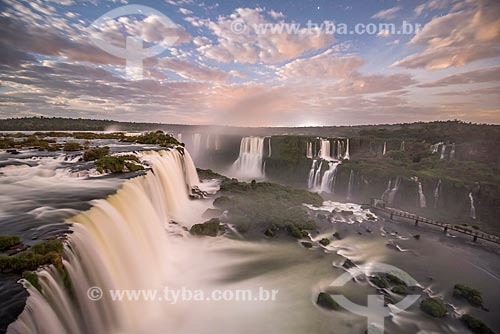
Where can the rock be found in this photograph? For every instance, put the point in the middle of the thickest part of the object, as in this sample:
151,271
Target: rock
324,242
212,213
326,301
346,212
307,244
433,307
223,202
348,264
417,236
13,151
210,228
295,232
336,235
197,193
269,233
369,216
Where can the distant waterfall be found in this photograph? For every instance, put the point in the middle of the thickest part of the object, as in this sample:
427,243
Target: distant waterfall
384,150
435,147
347,155
196,143
443,150
207,143
339,149
452,152
325,150
350,185
421,196
179,137
472,206
309,150
394,190
217,142
120,243
329,176
385,194
310,178
402,148
250,161
437,190
269,148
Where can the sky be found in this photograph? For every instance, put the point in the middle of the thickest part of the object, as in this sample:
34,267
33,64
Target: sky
251,63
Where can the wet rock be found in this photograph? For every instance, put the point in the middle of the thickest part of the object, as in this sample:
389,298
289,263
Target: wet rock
336,235
417,236
348,264
210,228
324,242
326,301
307,244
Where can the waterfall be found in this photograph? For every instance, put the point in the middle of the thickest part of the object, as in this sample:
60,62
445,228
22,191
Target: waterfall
437,190
472,206
309,150
339,149
249,162
179,137
347,156
269,148
452,152
310,178
329,176
402,148
217,142
317,175
443,149
384,151
350,185
120,243
421,195
394,190
196,143
325,151
386,192
435,147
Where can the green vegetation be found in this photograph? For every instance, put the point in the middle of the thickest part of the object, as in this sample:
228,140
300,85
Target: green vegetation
32,278
471,295
95,153
208,174
306,244
264,205
324,242
475,325
434,307
71,146
118,163
380,282
153,138
7,241
210,228
46,252
326,301
400,289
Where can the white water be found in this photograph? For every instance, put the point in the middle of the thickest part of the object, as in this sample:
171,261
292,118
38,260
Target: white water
472,206
402,148
120,243
384,151
217,142
385,195
437,190
317,176
250,161
309,150
394,190
310,178
196,144
269,148
328,179
347,155
350,185
421,196
435,147
443,150
452,152
325,150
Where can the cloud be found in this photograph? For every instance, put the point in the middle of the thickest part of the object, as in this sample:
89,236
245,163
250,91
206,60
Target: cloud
432,5
457,38
477,76
192,71
326,65
386,14
253,45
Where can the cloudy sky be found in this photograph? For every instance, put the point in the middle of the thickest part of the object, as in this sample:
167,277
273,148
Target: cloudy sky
254,63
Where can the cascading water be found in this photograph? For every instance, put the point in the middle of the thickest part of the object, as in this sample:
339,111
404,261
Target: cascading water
402,148
317,176
269,148
437,190
120,243
384,151
452,152
385,194
421,196
325,150
339,149
329,177
196,143
443,150
350,185
472,206
394,190
435,147
217,142
347,155
309,150
250,161
310,178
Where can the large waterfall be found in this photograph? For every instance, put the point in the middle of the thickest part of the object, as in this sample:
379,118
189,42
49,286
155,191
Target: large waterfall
421,196
391,191
309,150
328,179
347,156
325,150
250,161
120,243
310,177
